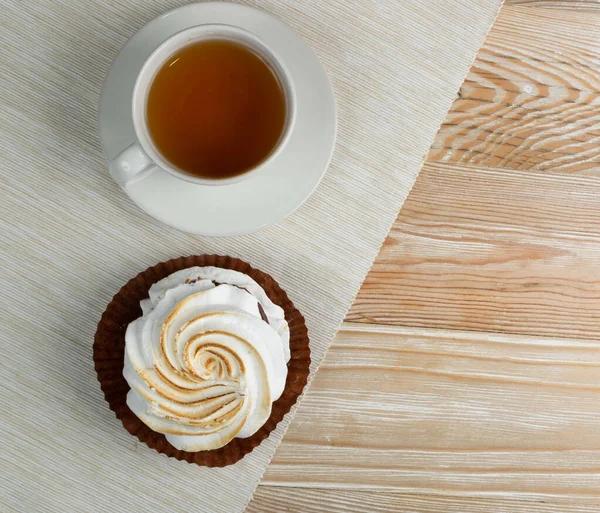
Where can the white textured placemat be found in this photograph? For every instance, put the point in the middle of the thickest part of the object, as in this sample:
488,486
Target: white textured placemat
71,237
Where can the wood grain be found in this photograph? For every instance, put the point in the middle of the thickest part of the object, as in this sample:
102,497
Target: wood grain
469,413
531,100
490,249
580,5
268,499
468,376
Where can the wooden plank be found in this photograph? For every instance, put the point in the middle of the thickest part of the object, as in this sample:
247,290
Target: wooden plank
531,100
268,499
448,412
491,249
558,4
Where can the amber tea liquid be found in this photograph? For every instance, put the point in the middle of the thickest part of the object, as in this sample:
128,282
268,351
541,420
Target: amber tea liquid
215,109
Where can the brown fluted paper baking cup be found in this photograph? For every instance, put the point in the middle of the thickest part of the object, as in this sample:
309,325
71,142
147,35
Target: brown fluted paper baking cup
109,351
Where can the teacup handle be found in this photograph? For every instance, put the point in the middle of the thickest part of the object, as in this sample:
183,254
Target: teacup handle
131,165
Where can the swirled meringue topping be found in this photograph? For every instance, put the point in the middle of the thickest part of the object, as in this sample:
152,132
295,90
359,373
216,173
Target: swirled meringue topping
207,358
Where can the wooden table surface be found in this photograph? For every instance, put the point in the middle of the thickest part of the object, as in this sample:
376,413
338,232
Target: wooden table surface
467,374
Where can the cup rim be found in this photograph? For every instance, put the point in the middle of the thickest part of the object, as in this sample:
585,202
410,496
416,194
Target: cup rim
152,66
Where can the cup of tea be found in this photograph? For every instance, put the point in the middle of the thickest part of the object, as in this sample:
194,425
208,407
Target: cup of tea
212,105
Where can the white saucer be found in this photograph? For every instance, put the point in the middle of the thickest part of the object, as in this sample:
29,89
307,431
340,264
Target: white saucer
250,204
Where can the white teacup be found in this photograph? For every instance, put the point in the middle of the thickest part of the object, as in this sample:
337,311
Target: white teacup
142,157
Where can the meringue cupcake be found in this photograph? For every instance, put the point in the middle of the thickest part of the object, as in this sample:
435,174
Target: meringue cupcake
201,357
